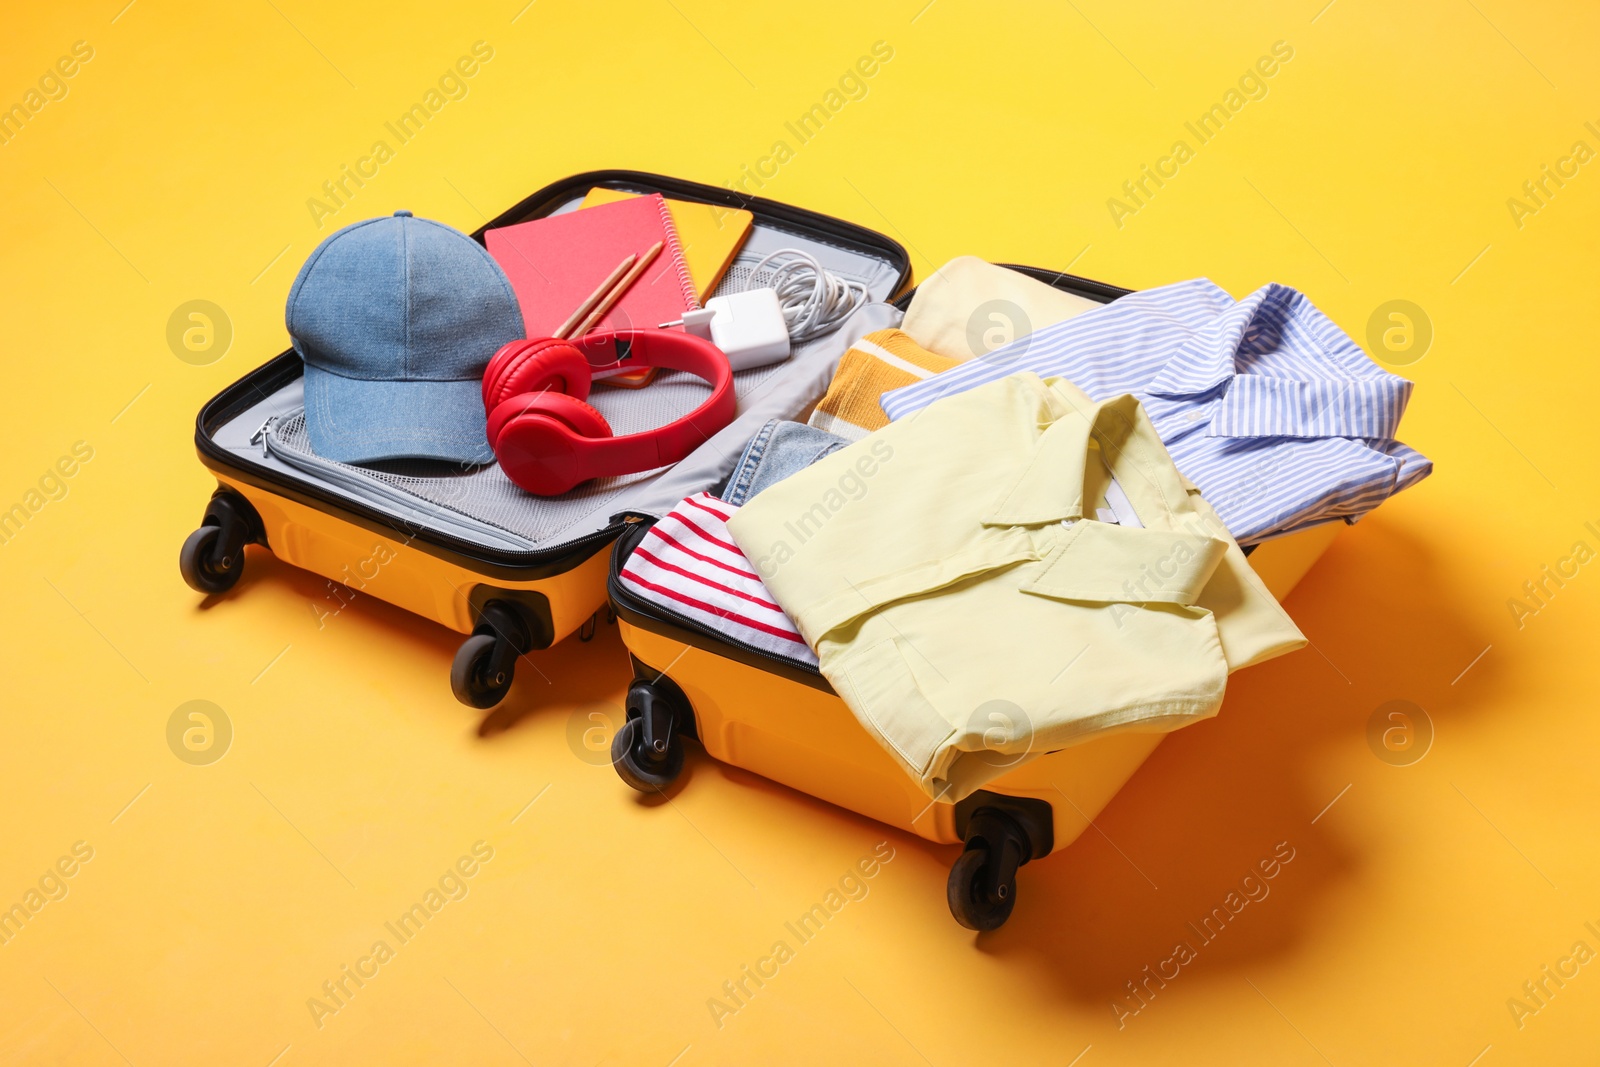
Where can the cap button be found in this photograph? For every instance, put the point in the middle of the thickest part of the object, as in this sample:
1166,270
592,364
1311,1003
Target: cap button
402,214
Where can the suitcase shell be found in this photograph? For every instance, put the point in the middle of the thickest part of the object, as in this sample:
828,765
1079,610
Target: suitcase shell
509,601
782,720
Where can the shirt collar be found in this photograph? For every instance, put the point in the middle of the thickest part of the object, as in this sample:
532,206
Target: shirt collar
1169,560
1207,359
1051,485
1336,392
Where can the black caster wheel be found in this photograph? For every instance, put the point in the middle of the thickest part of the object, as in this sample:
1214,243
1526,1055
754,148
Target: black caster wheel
212,558
481,673
208,563
647,750
642,767
983,883
978,900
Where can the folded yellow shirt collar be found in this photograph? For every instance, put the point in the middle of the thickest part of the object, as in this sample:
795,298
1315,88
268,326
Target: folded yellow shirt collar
1051,485
1170,560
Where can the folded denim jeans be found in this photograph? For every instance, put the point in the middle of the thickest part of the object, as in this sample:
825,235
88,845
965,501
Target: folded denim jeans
779,449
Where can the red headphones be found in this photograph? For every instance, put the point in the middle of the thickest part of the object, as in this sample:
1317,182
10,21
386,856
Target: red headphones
548,440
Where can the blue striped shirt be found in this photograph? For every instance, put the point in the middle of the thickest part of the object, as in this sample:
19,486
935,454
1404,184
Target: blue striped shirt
1266,405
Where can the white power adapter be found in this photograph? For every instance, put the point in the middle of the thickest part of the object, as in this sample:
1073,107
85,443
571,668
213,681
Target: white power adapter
801,301
748,326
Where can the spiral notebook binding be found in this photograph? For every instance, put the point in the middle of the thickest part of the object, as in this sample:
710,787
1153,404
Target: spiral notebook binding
691,295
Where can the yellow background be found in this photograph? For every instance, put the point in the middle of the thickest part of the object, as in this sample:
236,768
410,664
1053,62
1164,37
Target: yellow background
1377,168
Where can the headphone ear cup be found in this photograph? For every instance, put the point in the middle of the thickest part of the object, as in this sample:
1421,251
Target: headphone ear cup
499,365
545,365
538,439
570,412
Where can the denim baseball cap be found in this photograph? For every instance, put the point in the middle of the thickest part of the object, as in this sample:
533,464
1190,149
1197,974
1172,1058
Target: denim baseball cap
396,319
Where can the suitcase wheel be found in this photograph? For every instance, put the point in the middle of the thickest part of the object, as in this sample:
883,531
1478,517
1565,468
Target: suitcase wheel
212,558
481,673
983,883
647,750
486,662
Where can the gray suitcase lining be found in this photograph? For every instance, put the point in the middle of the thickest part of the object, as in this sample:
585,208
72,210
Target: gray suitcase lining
483,506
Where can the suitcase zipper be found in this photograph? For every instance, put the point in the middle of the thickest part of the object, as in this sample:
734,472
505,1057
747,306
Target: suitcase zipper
406,505
260,436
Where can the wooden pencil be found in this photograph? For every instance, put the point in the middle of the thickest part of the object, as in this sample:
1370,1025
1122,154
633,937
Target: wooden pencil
595,297
619,290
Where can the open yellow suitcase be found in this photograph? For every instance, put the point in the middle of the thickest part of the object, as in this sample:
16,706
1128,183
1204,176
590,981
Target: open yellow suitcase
467,549
781,719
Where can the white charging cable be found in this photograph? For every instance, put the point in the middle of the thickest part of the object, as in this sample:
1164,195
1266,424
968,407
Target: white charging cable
814,300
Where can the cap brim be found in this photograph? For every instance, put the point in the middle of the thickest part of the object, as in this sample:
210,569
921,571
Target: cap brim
357,421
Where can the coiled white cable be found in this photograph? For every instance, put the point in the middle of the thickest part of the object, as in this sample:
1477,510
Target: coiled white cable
814,300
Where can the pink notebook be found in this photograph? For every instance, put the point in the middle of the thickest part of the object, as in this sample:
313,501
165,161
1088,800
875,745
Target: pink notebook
555,263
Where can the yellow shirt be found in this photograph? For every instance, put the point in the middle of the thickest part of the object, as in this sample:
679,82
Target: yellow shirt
968,603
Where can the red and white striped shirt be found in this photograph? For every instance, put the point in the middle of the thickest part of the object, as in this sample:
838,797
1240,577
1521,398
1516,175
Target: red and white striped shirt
689,564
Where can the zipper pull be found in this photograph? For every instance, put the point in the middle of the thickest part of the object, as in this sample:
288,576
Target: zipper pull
260,436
